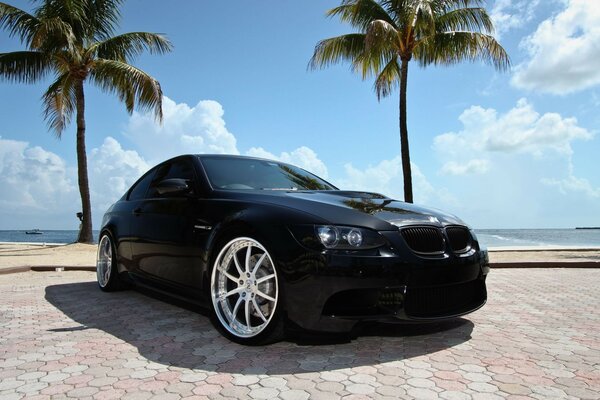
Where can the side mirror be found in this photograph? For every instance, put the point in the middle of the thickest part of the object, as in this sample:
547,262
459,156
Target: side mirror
173,186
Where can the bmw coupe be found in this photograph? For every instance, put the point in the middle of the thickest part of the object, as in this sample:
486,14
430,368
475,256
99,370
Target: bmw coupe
265,245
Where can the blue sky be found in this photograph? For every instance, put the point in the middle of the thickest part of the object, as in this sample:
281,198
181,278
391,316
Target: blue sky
502,150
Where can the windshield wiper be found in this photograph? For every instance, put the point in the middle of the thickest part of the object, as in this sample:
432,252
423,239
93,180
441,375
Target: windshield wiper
292,188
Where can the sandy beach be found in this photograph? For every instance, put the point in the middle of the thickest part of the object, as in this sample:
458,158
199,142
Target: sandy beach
18,257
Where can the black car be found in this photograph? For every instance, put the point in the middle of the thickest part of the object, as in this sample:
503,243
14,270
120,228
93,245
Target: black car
266,245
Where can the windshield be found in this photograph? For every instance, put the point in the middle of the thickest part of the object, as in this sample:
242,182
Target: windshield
244,173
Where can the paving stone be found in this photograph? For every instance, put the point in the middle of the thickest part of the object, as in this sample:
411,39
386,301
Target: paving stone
420,393
330,387
31,388
360,388
237,392
516,389
420,382
452,395
10,384
482,387
193,377
294,395
207,389
517,346
273,382
180,388
82,392
333,376
264,393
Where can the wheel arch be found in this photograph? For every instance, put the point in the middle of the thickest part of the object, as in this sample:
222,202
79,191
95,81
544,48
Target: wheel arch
266,223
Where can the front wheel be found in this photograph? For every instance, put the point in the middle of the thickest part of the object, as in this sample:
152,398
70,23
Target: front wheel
106,265
245,293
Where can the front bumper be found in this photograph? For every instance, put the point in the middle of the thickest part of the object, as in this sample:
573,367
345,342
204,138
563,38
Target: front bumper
333,292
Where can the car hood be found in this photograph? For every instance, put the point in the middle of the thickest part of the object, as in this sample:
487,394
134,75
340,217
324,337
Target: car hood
352,208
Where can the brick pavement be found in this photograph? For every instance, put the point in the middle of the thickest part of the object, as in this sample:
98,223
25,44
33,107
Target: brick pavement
60,337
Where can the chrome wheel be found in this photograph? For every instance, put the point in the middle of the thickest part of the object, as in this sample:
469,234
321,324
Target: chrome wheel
244,287
104,261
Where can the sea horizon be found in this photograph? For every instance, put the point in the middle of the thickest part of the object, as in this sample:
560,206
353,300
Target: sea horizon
518,237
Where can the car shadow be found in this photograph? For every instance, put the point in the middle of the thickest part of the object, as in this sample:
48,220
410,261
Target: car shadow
174,333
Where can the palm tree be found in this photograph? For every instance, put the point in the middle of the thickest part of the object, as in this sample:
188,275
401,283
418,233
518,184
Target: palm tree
393,32
74,41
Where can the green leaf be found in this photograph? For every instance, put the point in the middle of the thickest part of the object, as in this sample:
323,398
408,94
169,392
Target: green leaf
17,22
128,46
24,66
59,103
131,84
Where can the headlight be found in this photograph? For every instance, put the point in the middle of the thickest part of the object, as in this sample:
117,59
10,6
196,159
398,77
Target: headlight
348,238
328,235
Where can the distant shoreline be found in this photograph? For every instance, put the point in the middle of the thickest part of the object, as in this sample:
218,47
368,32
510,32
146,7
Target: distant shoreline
538,239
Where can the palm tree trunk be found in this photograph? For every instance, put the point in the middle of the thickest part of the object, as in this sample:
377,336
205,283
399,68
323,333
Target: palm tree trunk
85,233
404,149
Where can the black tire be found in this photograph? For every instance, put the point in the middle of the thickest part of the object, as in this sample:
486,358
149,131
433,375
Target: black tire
262,282
107,273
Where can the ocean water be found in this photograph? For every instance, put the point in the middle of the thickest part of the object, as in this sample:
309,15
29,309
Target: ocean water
487,237
539,237
49,236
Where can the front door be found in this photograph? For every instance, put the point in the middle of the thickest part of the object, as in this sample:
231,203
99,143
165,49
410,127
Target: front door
167,246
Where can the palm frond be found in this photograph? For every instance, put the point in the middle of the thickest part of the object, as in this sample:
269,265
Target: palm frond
465,20
423,18
382,35
454,4
52,34
131,84
340,48
453,47
383,44
103,16
360,13
17,22
89,19
59,103
388,79
127,46
369,64
24,66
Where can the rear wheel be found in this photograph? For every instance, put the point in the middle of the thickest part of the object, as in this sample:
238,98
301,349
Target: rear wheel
245,293
106,265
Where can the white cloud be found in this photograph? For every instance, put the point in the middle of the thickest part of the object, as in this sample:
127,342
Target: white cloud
185,130
501,169
514,168
112,171
573,184
563,52
36,185
386,178
39,183
474,166
303,157
520,130
512,14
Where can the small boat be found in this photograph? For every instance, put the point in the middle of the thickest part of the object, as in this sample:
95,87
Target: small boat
34,232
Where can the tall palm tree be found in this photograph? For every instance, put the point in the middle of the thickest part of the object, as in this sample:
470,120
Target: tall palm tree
74,40
393,32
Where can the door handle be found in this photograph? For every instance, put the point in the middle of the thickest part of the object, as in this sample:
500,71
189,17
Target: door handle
137,211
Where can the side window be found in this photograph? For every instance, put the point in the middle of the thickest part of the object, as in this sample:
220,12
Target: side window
181,169
138,191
